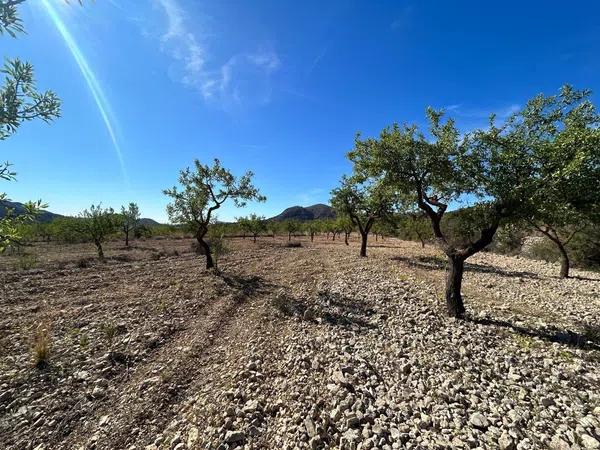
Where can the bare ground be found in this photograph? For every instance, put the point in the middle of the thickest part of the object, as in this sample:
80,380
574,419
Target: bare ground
307,347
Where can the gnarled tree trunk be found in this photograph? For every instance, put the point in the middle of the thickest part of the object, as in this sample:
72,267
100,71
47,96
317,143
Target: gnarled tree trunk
206,249
100,251
454,302
565,263
363,244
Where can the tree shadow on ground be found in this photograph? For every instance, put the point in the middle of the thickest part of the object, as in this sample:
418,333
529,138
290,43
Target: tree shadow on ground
246,286
436,263
329,308
588,340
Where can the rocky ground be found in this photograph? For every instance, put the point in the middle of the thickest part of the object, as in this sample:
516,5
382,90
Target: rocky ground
306,348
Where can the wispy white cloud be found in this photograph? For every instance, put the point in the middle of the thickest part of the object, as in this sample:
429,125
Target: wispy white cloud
242,79
466,112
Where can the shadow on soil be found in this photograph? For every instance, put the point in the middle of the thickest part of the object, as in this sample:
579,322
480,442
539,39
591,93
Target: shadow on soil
330,308
589,339
247,286
438,263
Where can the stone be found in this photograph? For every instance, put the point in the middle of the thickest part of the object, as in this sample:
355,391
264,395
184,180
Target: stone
478,420
311,430
192,436
505,442
233,437
589,442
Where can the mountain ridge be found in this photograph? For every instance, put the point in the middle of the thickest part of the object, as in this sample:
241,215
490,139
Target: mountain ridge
305,213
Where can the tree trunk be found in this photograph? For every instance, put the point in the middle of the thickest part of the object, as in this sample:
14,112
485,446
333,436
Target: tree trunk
127,238
289,236
334,235
565,263
255,239
312,237
346,239
454,301
421,239
363,244
100,251
376,237
205,247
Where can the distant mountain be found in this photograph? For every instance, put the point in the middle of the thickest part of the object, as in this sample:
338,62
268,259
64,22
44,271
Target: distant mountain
48,216
301,213
148,222
19,208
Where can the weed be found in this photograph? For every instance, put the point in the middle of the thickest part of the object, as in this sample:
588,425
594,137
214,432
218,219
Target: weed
41,346
109,330
26,262
526,343
83,263
84,340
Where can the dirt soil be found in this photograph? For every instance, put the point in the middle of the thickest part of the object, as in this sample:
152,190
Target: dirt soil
307,347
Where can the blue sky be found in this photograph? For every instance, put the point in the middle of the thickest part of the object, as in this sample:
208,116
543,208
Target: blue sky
279,87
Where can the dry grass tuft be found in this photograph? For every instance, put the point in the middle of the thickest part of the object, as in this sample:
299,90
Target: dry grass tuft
41,346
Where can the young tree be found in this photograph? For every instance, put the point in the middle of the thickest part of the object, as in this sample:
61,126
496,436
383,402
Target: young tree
203,191
253,224
130,217
495,168
564,189
97,224
415,226
344,223
312,227
362,200
292,227
20,101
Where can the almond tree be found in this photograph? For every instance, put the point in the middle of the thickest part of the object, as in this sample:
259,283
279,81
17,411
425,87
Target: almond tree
292,227
362,200
130,218
253,224
97,224
564,192
497,169
203,191
20,101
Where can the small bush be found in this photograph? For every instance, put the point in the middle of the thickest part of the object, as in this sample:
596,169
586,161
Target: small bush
41,346
109,330
26,262
83,263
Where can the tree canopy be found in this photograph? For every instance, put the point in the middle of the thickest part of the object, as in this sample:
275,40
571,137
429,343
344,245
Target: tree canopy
203,191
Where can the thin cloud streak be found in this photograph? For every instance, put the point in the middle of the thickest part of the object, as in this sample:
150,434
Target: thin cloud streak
243,78
91,80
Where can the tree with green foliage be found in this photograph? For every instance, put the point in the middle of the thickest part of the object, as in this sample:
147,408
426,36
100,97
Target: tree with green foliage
97,224
495,168
345,224
563,192
203,191
292,227
312,227
20,101
415,226
363,200
253,224
130,218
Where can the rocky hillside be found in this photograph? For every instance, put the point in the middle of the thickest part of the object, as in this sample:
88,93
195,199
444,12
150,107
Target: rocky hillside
18,208
301,213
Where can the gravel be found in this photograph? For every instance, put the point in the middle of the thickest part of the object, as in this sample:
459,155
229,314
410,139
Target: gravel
315,348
